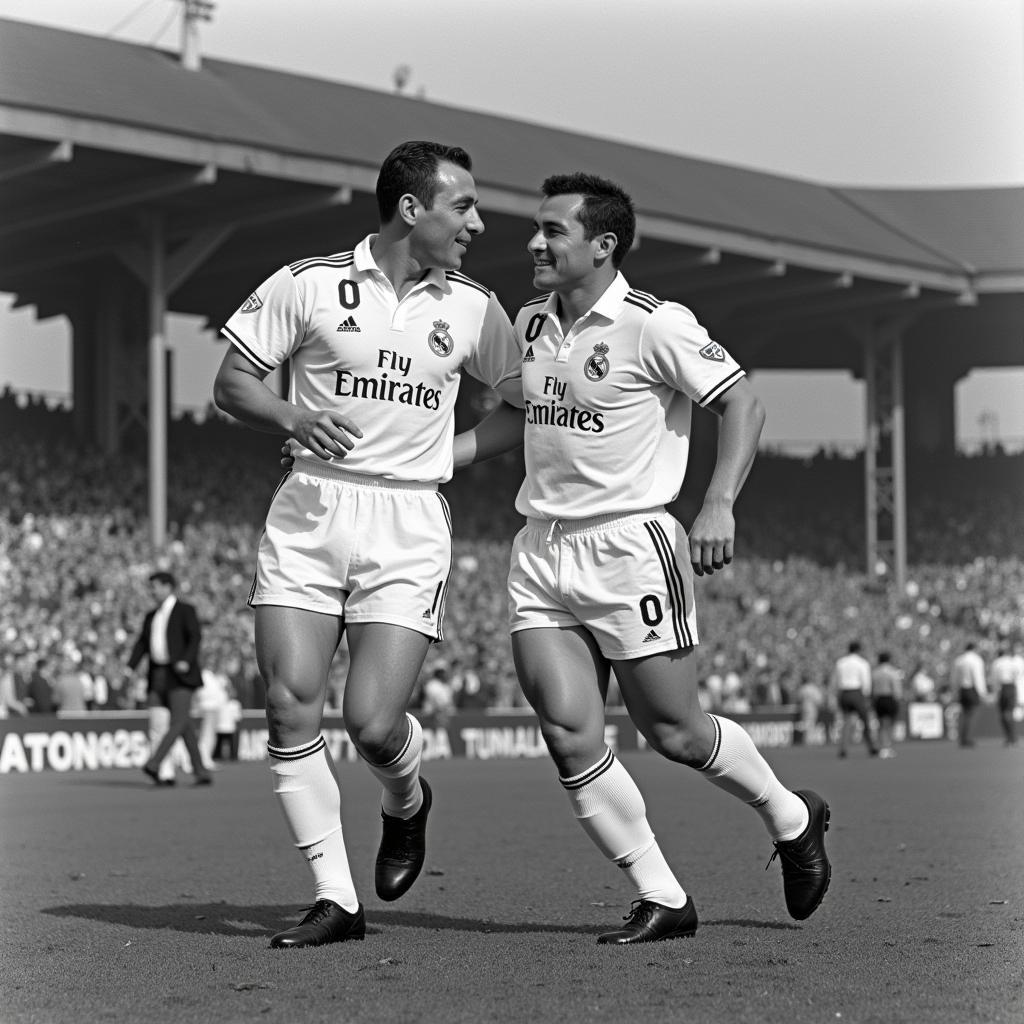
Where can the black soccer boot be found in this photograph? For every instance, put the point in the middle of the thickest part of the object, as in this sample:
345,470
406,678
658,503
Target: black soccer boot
651,922
806,870
403,846
326,922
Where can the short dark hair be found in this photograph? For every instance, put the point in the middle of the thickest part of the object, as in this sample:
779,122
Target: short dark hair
854,647
163,577
606,207
412,168
884,657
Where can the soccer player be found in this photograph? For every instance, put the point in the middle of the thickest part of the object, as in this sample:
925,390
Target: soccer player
968,678
357,537
851,681
1006,675
601,576
886,695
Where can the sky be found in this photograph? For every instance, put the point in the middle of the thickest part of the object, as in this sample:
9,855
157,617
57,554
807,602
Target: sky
914,93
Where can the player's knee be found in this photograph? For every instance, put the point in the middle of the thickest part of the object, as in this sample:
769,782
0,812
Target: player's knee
378,739
569,746
287,710
678,741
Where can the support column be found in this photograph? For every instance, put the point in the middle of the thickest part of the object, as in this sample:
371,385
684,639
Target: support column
885,478
157,386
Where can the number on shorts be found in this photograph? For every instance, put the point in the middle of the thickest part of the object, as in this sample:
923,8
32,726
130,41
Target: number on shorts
650,610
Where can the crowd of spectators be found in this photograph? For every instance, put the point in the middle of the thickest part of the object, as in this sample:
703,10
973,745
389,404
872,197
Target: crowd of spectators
75,557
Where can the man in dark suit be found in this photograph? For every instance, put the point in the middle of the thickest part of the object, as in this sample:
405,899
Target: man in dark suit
170,640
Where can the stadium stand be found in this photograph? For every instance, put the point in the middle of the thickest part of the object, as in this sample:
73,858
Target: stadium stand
75,556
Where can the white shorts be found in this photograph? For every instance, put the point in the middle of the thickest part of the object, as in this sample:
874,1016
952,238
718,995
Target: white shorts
626,578
366,548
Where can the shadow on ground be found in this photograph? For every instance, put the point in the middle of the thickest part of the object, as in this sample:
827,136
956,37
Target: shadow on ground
231,919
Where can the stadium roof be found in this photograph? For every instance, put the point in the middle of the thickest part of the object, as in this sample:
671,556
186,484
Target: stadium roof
245,162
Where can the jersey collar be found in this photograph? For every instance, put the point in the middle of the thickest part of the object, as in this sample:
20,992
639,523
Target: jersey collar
364,262
609,302
609,305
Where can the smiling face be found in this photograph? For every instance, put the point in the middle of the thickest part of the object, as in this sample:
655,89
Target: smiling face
441,233
563,257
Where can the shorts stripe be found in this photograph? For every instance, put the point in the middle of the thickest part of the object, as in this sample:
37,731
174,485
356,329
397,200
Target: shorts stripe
255,575
595,772
442,587
673,582
298,753
716,748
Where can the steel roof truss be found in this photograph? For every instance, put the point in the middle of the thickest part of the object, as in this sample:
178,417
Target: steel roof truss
35,158
116,197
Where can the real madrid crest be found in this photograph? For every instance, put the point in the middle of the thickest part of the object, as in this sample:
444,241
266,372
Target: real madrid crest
596,367
439,340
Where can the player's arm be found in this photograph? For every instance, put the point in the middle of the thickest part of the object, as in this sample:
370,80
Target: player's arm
714,530
499,431
240,391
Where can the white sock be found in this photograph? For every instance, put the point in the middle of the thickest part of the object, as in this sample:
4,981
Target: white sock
611,809
402,796
736,766
308,794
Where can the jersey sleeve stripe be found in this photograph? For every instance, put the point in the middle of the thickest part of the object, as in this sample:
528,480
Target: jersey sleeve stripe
722,386
246,351
454,275
540,300
646,295
645,304
341,260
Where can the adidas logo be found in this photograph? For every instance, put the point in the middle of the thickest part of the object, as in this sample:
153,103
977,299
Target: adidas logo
349,325
651,636
528,355
426,614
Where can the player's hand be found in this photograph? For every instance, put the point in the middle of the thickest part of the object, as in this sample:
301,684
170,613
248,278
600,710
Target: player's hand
711,539
328,435
287,455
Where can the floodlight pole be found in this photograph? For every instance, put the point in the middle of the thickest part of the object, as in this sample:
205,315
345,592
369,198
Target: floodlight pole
885,485
193,11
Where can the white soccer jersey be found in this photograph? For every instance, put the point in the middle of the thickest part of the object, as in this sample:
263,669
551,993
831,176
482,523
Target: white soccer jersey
852,672
608,405
391,366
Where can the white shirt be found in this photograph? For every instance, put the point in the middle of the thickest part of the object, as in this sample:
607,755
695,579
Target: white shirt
853,672
608,404
158,652
969,672
1005,670
391,366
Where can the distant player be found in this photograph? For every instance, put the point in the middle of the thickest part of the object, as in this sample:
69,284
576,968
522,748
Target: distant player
601,576
357,537
851,682
886,694
1007,677
968,678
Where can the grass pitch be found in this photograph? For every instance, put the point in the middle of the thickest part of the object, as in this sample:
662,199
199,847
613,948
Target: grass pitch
122,902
